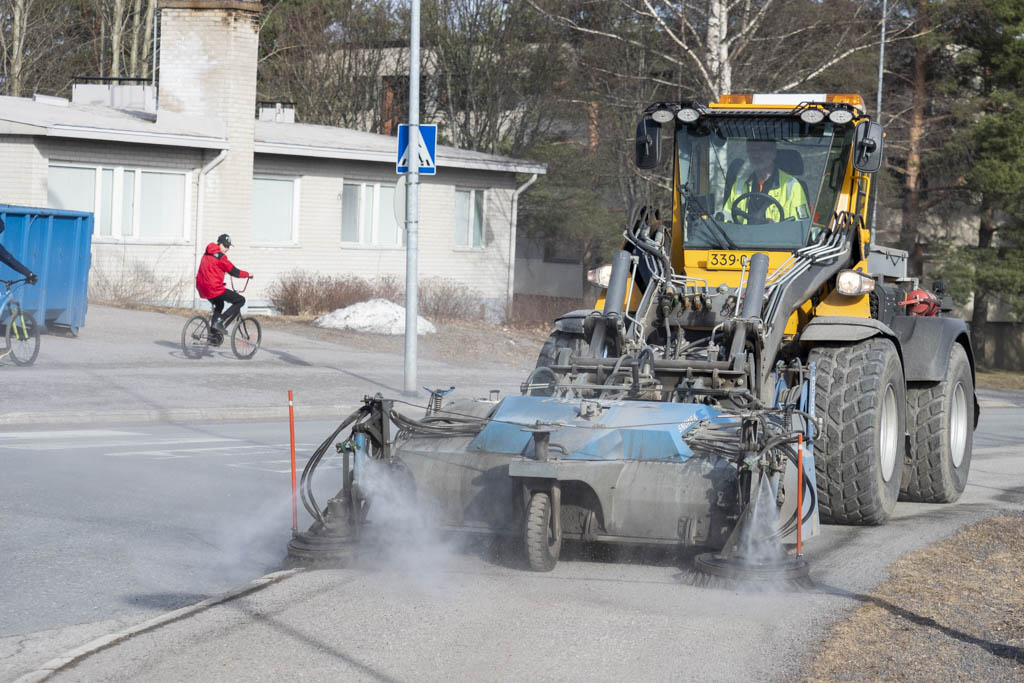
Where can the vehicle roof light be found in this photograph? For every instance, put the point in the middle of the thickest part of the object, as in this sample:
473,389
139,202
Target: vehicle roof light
812,115
840,116
788,99
662,115
852,100
688,114
735,99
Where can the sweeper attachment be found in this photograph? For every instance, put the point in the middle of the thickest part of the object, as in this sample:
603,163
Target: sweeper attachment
621,440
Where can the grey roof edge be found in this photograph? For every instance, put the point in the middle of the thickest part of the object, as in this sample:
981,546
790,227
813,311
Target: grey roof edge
502,166
140,137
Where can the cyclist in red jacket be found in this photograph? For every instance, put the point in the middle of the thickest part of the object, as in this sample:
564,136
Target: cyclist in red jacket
210,282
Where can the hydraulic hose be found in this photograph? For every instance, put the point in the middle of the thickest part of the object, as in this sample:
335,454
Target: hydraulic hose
306,483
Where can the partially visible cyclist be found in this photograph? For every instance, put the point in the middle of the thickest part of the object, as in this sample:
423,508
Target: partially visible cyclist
7,258
210,283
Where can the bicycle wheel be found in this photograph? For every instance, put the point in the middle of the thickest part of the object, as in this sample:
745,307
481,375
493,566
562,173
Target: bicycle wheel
246,337
23,338
195,337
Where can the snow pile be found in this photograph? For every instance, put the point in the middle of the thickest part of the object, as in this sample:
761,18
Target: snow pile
378,316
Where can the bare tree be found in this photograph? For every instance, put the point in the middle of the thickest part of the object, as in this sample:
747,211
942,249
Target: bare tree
339,61
494,70
31,31
721,46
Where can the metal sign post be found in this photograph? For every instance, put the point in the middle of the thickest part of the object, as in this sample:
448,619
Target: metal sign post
412,203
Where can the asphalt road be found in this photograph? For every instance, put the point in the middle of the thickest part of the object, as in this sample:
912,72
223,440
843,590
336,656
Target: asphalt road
130,521
161,521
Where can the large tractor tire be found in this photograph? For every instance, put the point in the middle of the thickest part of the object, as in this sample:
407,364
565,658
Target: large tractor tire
941,426
557,341
861,397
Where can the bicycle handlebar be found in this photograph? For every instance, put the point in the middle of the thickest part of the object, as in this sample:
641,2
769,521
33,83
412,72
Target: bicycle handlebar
10,283
243,288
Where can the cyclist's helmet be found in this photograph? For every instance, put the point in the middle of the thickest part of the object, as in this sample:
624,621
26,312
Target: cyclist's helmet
224,239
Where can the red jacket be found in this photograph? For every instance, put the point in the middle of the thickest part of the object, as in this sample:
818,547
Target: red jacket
213,265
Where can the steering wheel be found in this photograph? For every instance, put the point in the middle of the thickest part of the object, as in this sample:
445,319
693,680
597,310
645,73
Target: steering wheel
745,215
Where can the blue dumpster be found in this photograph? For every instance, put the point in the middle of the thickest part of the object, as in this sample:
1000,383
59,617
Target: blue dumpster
57,246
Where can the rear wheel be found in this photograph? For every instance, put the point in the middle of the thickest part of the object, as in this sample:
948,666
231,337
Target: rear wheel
23,338
941,425
861,396
195,337
543,546
246,337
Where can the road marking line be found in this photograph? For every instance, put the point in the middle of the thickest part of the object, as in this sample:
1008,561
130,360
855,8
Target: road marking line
60,446
69,434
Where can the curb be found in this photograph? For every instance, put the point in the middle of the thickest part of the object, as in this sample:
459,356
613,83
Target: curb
175,415
71,656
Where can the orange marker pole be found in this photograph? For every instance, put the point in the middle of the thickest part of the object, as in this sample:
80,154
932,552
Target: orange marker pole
799,494
291,429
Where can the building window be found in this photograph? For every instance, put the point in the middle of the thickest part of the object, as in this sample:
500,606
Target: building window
275,210
368,215
469,218
126,203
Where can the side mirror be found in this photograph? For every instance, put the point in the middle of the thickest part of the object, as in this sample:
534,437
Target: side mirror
648,143
867,147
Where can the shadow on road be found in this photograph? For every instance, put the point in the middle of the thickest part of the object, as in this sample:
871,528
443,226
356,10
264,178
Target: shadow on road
163,601
1002,650
286,357
314,640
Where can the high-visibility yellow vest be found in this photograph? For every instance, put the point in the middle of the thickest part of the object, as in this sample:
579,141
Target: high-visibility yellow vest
780,186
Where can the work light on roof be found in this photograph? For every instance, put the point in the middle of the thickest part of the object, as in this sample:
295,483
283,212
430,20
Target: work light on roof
662,115
840,116
688,115
812,115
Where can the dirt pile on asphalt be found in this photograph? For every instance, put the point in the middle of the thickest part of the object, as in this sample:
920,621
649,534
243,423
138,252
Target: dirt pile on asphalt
951,611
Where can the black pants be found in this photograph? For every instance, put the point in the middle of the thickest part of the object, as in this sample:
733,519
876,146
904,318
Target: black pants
231,297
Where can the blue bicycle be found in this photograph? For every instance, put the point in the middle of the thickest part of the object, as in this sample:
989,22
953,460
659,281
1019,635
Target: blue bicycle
20,329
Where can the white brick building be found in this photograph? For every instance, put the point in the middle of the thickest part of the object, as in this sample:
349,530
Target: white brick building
163,184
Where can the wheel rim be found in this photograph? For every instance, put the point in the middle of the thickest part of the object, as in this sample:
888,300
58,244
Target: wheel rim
889,433
552,539
958,425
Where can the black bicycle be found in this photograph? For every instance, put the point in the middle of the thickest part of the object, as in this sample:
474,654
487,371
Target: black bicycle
21,333
198,335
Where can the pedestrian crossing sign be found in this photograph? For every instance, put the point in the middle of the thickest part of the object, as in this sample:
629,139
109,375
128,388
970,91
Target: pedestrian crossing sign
425,150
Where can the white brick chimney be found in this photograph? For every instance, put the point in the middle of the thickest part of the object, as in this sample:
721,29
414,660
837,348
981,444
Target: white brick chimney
207,68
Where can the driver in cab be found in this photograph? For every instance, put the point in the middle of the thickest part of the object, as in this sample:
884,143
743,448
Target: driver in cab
768,194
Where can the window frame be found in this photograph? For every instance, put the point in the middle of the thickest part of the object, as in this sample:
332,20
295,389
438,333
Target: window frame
473,193
117,235
293,241
368,234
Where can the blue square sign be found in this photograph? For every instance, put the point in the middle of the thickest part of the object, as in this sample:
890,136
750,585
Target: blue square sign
422,154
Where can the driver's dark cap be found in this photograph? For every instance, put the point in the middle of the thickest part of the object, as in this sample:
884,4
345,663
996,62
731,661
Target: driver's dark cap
224,239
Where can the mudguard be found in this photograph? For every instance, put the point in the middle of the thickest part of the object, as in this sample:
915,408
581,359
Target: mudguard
846,328
572,321
926,344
